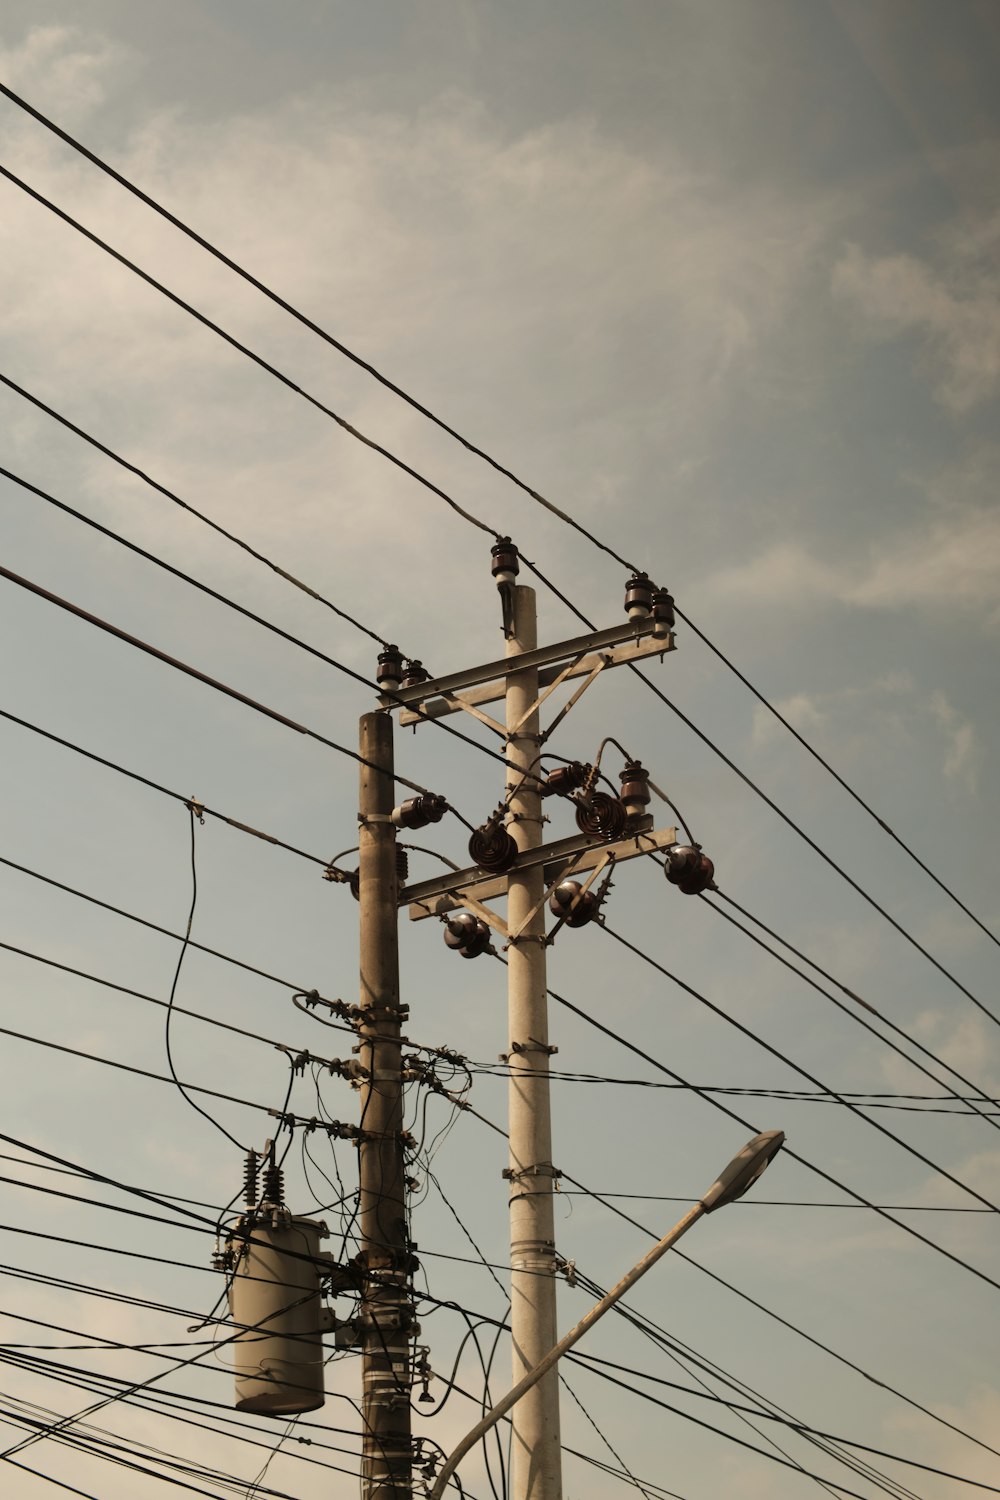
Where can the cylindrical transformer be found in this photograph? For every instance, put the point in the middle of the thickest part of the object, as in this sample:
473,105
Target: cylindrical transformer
274,1298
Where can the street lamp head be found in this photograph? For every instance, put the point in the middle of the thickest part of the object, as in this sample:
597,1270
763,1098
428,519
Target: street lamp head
744,1169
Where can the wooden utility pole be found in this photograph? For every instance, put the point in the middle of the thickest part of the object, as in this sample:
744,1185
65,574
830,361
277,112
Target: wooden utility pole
387,1308
536,1453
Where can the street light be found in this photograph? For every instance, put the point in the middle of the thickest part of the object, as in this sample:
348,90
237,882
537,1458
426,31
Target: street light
741,1173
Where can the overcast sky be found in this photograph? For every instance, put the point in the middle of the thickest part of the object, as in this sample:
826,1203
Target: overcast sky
719,278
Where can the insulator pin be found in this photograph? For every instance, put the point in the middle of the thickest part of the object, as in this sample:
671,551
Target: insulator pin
505,565
639,597
389,675
634,794
415,674
663,613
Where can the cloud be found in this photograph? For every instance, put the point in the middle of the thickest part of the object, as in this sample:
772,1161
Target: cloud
965,752
947,564
967,1046
478,256
956,310
69,65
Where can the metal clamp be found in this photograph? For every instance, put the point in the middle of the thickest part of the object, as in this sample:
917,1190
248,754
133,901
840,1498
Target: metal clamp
540,1169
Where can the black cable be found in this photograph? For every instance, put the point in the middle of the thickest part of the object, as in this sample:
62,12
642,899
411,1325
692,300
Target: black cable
130,916
173,992
767,1416
787,1324
847,1010
766,703
108,1062
931,1104
190,671
155,786
243,349
470,447
684,1357
827,858
717,1104
249,614
604,1439
184,504
786,1463
160,1401
122,989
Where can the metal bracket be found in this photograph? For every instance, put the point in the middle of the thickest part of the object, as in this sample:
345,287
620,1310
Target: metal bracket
572,702
529,1046
436,699
443,893
540,1169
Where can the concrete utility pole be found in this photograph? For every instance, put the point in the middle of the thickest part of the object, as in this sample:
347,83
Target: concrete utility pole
387,1307
524,678
536,1453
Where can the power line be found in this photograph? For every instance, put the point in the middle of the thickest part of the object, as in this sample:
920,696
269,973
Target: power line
249,353
185,505
720,1280
241,609
827,858
179,666
155,786
119,911
795,1426
122,989
754,938
431,416
108,1062
788,1463
928,1103
766,703
819,1171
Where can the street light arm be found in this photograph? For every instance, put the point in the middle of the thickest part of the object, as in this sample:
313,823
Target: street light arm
558,1350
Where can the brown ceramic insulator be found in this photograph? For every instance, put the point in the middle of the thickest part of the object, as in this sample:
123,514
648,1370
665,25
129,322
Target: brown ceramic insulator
564,779
689,870
466,934
561,900
492,848
602,816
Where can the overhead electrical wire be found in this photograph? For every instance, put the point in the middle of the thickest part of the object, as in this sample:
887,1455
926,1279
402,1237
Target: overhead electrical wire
302,729
594,1362
929,1104
184,504
788,1151
466,515
690,1417
249,353
928,872
785,1462
249,614
129,916
860,1020
720,1280
108,1062
179,666
478,452
155,786
158,1404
